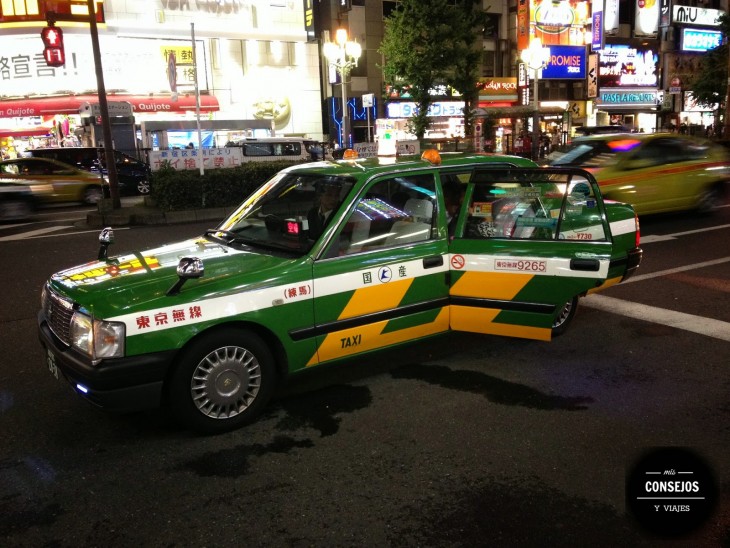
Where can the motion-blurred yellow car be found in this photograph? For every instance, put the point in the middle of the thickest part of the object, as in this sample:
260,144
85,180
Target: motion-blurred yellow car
655,173
52,181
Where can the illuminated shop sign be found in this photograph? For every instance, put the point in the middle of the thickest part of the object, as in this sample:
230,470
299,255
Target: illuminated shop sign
622,65
497,89
636,98
566,62
25,14
646,22
560,22
700,39
439,108
686,15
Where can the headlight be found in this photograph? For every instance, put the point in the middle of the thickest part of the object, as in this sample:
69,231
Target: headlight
97,339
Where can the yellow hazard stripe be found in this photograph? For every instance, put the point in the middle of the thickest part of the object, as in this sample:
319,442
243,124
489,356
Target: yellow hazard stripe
608,283
481,320
376,298
490,285
349,342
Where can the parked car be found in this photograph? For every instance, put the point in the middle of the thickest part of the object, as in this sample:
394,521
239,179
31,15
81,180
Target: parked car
52,181
655,173
326,261
17,201
133,175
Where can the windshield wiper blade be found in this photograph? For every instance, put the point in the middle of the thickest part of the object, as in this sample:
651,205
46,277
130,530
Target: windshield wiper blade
213,233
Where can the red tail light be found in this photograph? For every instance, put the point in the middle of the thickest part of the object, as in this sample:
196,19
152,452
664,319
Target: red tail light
638,230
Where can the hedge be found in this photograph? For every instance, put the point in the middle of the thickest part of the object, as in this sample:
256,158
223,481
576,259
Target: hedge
174,190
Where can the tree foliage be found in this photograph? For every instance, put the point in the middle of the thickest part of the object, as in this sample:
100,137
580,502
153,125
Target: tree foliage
428,43
710,84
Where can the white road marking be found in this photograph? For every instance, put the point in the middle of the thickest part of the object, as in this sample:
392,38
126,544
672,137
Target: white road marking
667,237
95,231
34,233
670,271
679,320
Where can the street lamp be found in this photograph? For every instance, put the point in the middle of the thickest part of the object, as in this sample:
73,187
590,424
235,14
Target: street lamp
537,58
343,55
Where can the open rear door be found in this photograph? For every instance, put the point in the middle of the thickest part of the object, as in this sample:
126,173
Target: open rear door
527,242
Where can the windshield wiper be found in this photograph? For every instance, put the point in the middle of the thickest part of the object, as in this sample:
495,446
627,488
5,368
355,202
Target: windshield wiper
213,234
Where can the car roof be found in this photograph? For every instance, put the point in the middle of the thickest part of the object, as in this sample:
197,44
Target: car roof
376,165
636,136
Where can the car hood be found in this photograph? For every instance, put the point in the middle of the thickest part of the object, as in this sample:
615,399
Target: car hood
141,280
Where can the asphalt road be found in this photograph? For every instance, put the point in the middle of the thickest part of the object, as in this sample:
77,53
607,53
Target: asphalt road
458,441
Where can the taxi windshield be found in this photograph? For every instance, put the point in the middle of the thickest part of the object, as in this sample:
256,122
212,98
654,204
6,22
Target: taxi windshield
288,213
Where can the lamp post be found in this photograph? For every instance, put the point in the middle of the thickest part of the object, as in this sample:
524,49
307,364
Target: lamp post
343,54
537,58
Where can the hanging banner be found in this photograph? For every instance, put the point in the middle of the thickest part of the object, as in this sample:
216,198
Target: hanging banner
665,13
597,25
647,18
592,75
523,24
610,17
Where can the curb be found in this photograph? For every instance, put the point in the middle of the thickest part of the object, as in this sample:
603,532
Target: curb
130,217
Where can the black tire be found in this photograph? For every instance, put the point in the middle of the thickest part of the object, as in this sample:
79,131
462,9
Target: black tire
16,209
710,199
222,381
564,316
93,194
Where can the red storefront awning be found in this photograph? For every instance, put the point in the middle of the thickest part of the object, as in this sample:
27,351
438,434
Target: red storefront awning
70,104
25,132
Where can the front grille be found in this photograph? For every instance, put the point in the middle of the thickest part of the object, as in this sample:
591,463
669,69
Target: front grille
58,313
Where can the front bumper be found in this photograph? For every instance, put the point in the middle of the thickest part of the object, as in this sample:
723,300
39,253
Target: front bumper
120,384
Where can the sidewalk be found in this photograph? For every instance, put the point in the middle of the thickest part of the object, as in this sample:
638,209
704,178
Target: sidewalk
136,210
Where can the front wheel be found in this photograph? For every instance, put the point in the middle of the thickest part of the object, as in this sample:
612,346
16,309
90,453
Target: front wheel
564,317
222,382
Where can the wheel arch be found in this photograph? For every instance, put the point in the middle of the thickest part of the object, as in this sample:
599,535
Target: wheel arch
281,361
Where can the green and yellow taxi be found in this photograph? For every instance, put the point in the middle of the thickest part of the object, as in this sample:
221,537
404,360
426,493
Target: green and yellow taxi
656,173
327,261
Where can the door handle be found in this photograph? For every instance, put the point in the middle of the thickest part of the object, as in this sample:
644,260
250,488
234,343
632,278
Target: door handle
433,262
586,265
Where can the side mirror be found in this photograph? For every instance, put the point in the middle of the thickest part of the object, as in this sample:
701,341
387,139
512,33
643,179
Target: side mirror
188,268
106,238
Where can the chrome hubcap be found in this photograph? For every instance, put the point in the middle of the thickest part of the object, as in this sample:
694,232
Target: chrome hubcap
226,382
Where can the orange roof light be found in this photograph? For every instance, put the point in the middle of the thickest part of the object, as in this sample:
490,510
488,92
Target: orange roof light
350,154
431,156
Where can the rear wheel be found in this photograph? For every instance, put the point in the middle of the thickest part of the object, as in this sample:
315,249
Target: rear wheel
11,210
93,194
223,381
710,199
143,187
564,317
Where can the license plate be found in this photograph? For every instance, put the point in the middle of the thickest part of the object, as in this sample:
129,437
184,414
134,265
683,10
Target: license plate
51,362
